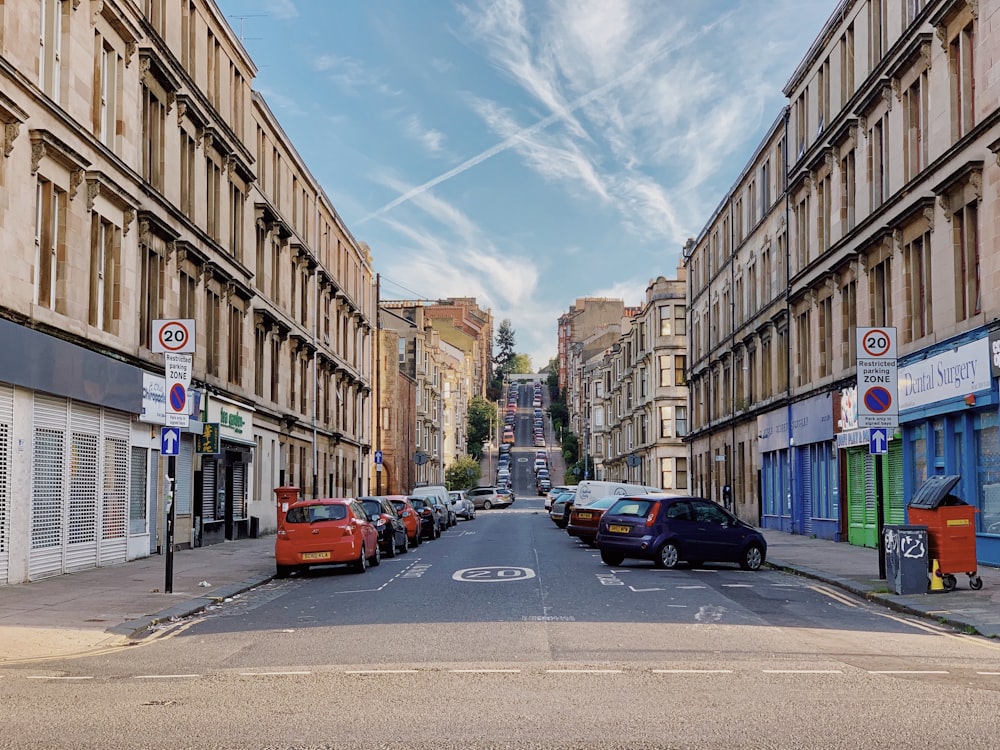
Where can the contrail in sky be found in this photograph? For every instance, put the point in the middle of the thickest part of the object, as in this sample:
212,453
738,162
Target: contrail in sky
540,125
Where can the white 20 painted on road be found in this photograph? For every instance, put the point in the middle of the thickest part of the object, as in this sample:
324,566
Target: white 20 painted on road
493,574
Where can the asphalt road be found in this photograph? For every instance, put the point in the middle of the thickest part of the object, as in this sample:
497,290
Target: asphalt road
508,633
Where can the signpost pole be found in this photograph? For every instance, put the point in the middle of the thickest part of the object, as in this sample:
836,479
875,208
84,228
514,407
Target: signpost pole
880,511
168,585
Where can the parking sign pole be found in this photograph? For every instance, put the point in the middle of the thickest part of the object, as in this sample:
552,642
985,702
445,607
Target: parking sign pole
880,511
168,585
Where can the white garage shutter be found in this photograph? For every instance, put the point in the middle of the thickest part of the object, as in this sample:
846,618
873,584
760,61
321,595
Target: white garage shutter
47,487
115,495
6,427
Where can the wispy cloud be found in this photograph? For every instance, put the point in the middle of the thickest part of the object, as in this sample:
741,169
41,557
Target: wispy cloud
283,10
352,75
432,140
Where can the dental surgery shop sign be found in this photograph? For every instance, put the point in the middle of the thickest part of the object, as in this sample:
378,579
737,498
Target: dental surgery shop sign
953,373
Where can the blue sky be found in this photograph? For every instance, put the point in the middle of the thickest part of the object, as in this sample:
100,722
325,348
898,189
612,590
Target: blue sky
525,152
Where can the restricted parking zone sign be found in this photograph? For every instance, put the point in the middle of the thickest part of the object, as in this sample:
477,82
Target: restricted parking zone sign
877,377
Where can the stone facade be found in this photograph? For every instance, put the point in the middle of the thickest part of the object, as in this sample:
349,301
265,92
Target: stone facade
142,179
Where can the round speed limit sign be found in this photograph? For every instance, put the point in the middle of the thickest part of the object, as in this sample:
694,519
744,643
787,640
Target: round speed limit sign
173,336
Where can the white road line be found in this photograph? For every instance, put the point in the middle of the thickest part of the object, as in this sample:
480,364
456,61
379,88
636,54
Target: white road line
271,674
692,587
908,671
692,671
802,671
737,585
584,671
166,676
48,677
381,671
989,674
485,671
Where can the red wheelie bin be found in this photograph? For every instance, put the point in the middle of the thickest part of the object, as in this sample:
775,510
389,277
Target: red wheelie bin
951,529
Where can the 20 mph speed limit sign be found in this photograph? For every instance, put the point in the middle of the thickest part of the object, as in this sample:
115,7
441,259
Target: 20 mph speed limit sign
173,336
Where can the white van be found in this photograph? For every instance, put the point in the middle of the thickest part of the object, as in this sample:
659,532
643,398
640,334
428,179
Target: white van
589,490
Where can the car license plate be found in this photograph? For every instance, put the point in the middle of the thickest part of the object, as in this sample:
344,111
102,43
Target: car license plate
614,529
585,515
315,555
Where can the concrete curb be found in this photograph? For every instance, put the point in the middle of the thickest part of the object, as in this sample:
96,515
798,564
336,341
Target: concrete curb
139,627
885,599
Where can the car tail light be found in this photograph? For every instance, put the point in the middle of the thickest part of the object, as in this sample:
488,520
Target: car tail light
652,514
349,530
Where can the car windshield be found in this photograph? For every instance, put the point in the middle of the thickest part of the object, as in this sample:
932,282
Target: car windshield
372,507
319,512
631,507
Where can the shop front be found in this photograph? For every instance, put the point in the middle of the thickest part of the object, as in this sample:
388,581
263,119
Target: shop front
948,413
799,479
859,472
223,481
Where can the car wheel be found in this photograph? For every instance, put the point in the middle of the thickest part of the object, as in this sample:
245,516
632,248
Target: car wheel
611,558
376,559
405,546
753,558
487,505
417,540
282,571
390,551
437,532
361,564
668,556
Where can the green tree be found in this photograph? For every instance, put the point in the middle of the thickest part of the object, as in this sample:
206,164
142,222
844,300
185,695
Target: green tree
482,416
462,474
504,348
520,364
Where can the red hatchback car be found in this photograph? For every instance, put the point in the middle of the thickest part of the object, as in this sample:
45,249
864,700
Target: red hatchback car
411,519
585,520
331,531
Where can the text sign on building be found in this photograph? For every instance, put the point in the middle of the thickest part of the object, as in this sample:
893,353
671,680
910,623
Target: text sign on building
877,392
173,336
177,379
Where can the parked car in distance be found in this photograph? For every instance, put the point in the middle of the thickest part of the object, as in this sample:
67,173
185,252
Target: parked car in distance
506,496
667,529
430,522
462,506
330,531
552,493
483,497
584,521
411,519
562,504
392,536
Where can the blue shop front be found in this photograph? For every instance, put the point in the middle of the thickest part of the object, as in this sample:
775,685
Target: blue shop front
799,478
948,413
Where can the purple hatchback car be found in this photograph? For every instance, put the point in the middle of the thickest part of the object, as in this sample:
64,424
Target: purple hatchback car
668,530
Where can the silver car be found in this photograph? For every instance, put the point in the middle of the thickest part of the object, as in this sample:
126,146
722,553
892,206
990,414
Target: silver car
461,505
485,497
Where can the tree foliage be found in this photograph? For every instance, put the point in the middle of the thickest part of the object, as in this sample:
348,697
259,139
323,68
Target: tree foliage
505,342
462,474
482,414
520,364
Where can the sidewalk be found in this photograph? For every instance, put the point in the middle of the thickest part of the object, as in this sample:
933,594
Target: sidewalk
104,607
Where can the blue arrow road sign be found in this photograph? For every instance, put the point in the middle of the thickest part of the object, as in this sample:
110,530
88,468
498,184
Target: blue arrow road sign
878,441
378,457
170,441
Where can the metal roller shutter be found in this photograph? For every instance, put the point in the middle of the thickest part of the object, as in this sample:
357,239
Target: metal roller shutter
6,428
239,490
115,496
84,475
183,484
804,521
209,471
47,486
